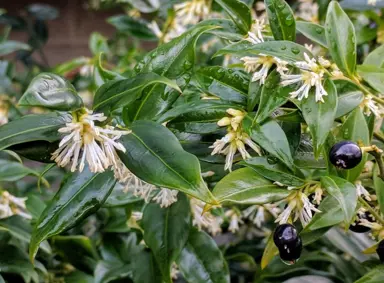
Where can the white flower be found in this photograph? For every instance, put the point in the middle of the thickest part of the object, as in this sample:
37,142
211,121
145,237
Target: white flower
234,220
11,205
166,197
191,12
4,109
361,191
204,220
261,65
308,10
83,142
174,271
372,2
370,106
255,35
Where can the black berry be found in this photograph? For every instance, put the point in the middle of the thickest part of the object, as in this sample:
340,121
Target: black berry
356,227
380,250
288,242
345,155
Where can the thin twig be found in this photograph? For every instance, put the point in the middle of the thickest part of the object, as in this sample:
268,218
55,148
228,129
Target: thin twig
371,210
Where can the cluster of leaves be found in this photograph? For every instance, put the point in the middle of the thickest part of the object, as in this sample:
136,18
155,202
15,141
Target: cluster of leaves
86,230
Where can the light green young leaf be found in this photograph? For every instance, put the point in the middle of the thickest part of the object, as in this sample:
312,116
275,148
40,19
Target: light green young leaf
281,20
166,164
238,12
341,38
201,261
245,186
81,195
53,92
320,115
166,232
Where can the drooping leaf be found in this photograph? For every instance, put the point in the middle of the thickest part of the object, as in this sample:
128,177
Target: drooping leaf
373,75
81,195
33,128
341,38
225,83
355,129
344,192
272,138
274,172
166,232
281,20
53,92
314,32
320,115
282,49
245,186
238,12
273,95
116,94
201,260
136,27
166,164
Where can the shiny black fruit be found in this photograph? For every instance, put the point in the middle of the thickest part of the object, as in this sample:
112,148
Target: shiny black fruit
356,227
380,250
288,242
345,155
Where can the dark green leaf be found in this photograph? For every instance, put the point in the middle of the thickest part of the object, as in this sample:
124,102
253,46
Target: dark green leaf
273,95
136,27
166,164
39,150
119,197
33,128
101,75
344,192
320,115
254,94
281,20
201,261
11,171
238,12
355,129
314,32
245,186
109,271
275,172
373,75
225,83
145,269
166,232
285,50
79,277
341,38
9,46
272,138
117,94
53,92
348,101
228,29
81,195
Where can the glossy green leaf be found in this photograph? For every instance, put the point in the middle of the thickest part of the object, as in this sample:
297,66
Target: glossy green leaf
145,269
281,20
379,188
341,38
273,95
344,192
201,260
238,12
355,129
274,172
109,271
9,46
320,116
376,57
173,60
81,195
53,92
376,275
254,94
120,197
314,32
228,29
40,150
348,101
373,75
79,277
282,49
245,186
166,232
117,94
136,27
229,85
166,164
33,128
270,136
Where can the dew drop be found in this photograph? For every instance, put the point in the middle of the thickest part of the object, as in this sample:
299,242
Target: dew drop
295,50
271,160
154,54
289,20
220,73
187,65
319,30
283,47
281,5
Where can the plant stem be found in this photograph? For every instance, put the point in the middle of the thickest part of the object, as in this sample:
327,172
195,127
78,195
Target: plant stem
379,160
379,136
371,210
